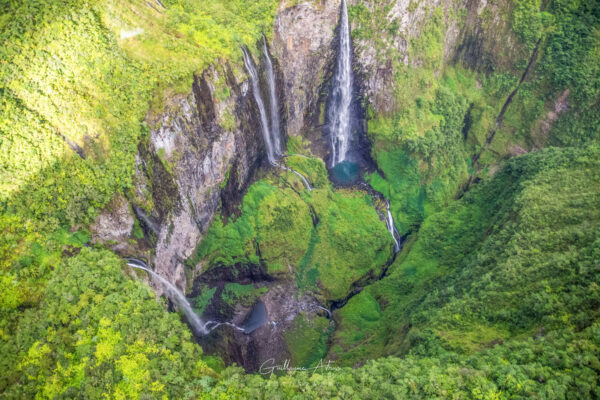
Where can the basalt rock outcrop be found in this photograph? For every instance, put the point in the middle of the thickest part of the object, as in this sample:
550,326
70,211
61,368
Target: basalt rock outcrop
202,152
114,224
302,42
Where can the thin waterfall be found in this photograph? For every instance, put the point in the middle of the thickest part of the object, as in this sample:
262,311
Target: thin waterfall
303,179
326,310
339,109
173,293
298,174
275,125
214,325
198,326
271,132
392,228
250,67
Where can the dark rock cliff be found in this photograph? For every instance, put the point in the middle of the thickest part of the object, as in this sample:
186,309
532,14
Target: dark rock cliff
202,152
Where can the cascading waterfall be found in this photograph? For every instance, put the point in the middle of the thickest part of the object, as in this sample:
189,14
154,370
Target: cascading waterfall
271,132
198,326
249,63
303,179
340,110
308,187
275,126
326,310
391,228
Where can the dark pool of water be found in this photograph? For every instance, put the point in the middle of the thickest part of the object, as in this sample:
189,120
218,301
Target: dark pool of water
345,173
256,318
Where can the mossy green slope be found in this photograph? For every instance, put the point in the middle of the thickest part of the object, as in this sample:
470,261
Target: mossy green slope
516,256
444,115
321,238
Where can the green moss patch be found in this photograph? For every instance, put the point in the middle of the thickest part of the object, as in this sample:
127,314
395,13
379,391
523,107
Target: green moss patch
307,340
246,295
276,228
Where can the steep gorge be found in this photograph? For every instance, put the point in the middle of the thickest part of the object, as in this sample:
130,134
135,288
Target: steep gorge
204,152
348,181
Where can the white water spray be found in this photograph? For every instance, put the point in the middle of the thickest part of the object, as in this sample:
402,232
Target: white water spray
271,132
275,125
326,310
264,123
214,325
173,293
391,228
198,326
298,174
339,110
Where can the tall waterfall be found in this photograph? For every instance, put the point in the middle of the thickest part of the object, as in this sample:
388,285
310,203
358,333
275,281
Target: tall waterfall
392,228
339,109
264,123
275,126
271,131
174,294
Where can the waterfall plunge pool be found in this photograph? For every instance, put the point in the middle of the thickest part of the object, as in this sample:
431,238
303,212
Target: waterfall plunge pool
345,173
256,318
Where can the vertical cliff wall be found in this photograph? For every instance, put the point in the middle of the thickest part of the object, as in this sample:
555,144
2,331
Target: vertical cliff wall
475,32
201,152
302,42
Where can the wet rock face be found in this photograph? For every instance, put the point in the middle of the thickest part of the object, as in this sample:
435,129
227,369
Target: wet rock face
181,171
302,43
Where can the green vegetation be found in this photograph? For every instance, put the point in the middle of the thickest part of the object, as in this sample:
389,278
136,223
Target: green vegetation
201,302
307,340
276,228
547,367
93,86
494,295
246,295
76,85
348,245
497,298
444,113
312,168
97,332
275,221
515,257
